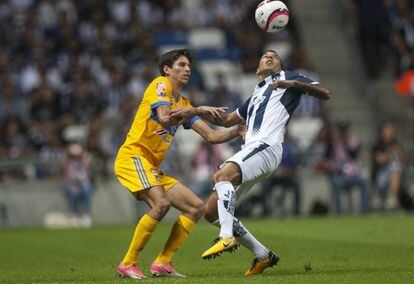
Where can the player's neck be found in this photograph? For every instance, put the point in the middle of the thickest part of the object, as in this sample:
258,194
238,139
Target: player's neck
264,74
176,88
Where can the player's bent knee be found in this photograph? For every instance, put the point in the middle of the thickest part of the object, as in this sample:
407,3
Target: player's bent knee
220,176
162,206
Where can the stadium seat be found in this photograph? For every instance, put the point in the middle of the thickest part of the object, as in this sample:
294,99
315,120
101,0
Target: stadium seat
170,38
207,38
215,54
211,68
247,82
165,48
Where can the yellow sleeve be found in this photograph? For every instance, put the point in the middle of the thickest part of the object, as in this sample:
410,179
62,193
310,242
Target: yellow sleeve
159,92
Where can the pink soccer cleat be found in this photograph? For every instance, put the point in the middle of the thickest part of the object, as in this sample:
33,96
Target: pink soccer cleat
131,271
164,269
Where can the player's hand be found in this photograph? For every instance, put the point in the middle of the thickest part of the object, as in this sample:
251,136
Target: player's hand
180,114
215,112
284,84
241,128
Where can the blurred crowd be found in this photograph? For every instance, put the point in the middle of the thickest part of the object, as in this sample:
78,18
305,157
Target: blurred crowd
74,72
385,32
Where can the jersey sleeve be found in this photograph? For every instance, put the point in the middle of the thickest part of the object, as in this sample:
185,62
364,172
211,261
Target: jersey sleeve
242,110
190,122
159,92
289,75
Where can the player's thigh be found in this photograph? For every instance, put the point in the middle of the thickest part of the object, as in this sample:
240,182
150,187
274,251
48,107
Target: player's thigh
154,196
185,200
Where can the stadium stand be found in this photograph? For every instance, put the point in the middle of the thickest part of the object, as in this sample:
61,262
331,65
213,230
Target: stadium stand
75,70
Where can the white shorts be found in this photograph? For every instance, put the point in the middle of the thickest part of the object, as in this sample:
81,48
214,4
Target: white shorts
256,161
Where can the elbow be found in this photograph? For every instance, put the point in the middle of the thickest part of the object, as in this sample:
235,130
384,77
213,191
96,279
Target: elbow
326,94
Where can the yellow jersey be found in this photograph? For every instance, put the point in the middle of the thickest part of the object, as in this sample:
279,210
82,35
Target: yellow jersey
147,137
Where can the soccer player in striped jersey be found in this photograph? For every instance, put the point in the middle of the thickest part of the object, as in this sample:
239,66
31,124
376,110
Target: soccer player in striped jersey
138,160
266,114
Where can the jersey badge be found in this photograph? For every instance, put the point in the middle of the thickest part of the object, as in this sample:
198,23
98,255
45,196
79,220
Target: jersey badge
161,90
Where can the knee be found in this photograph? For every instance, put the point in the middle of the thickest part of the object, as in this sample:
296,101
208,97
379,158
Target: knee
162,206
220,176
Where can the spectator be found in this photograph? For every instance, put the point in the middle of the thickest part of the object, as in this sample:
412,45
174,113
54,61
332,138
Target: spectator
343,170
388,166
77,186
317,150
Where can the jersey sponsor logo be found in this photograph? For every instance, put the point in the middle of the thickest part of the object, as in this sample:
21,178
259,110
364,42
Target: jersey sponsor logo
161,90
164,135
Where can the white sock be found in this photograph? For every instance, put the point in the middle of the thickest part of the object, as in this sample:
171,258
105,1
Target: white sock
225,205
244,237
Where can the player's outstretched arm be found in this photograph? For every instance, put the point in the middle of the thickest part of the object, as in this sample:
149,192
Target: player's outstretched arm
214,136
226,119
316,90
214,115
205,112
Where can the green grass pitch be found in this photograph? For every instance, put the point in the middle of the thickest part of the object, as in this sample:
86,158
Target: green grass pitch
372,249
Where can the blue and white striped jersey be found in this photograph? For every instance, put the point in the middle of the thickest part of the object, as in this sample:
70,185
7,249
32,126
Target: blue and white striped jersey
268,111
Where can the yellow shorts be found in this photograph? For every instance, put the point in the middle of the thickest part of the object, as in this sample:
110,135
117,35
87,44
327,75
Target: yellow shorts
137,173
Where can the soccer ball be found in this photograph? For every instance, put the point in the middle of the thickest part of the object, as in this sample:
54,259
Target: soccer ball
272,16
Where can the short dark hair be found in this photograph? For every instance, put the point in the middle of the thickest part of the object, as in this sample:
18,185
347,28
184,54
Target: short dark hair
170,57
270,50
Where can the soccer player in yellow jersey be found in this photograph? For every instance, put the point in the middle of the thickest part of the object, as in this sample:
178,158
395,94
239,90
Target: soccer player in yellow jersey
138,160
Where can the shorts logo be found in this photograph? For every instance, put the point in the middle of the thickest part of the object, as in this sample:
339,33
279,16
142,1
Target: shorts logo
161,90
164,135
155,174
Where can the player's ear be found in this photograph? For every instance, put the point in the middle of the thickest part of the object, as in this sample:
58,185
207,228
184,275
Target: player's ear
166,69
257,71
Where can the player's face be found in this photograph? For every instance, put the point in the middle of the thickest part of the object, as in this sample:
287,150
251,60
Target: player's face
269,61
180,71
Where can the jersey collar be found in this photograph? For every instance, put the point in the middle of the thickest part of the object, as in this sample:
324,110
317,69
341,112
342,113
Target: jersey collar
273,77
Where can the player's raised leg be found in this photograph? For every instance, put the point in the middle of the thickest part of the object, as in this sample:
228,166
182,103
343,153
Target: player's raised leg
159,203
263,257
224,179
192,209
